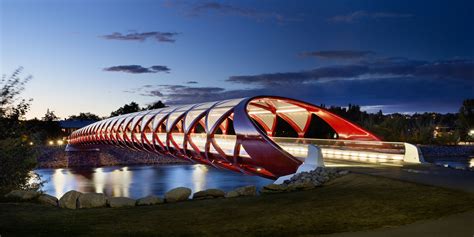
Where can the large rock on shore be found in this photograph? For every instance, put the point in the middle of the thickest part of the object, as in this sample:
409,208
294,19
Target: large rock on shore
48,200
316,177
149,200
69,199
91,200
250,190
121,202
209,193
22,195
274,188
178,194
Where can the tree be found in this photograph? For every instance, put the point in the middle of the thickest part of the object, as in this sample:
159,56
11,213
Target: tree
85,116
466,119
156,105
17,158
50,116
128,108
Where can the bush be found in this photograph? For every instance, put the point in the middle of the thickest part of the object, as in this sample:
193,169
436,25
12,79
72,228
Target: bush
17,159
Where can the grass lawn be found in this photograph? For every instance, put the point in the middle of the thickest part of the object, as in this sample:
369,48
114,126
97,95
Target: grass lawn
351,203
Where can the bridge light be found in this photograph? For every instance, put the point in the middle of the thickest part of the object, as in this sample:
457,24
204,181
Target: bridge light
59,142
259,169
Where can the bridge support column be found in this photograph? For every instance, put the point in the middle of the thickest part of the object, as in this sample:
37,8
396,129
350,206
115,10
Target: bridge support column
413,154
312,161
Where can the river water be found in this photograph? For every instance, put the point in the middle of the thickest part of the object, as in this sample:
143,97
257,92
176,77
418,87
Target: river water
140,181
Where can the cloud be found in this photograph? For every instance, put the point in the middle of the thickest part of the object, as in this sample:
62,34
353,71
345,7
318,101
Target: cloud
393,84
338,54
137,69
364,15
192,82
365,70
167,37
210,7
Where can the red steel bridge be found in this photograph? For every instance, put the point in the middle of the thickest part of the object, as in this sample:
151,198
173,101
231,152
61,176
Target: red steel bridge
264,135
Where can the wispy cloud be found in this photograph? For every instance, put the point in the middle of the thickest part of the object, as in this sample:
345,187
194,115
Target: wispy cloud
361,15
137,69
364,70
211,7
192,82
168,37
338,54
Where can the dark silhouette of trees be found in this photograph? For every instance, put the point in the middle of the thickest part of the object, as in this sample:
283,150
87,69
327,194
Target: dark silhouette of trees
16,156
156,105
466,119
128,108
85,116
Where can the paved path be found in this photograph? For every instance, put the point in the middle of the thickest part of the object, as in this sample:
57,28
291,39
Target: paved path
455,225
418,173
449,226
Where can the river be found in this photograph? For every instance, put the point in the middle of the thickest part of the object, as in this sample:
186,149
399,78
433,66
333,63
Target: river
142,180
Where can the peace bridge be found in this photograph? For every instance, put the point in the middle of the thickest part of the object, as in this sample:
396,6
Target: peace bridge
265,135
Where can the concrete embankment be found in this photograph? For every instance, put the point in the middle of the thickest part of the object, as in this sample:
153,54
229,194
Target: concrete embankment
56,157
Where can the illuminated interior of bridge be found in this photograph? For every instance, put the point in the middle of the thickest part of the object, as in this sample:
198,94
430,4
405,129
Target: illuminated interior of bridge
266,136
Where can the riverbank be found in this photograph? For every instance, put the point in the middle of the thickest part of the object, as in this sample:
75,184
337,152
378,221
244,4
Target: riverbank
354,202
56,157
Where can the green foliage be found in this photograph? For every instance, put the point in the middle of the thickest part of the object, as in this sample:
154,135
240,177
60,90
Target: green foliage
16,156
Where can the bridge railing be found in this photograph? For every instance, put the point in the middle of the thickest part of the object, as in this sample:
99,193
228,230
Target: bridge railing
363,151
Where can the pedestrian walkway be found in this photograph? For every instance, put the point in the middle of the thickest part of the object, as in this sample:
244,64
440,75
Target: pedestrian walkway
427,174
455,225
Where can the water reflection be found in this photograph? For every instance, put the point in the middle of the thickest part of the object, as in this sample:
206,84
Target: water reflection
139,181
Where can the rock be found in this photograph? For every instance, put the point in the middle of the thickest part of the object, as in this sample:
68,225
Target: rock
301,186
48,200
342,172
177,194
149,200
274,188
231,194
243,191
120,202
22,195
91,200
209,193
69,199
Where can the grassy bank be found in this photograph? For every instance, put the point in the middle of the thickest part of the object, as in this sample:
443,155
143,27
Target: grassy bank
351,203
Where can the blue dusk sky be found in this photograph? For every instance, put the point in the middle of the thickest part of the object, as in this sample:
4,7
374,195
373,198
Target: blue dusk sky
95,56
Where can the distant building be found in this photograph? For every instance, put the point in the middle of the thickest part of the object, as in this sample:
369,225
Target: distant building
69,126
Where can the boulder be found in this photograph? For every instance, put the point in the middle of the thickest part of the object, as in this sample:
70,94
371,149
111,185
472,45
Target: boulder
301,186
120,202
209,193
250,190
274,188
69,199
178,194
22,195
232,194
48,200
91,200
149,200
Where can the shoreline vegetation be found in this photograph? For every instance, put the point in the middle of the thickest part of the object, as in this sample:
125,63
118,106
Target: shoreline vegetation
353,202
